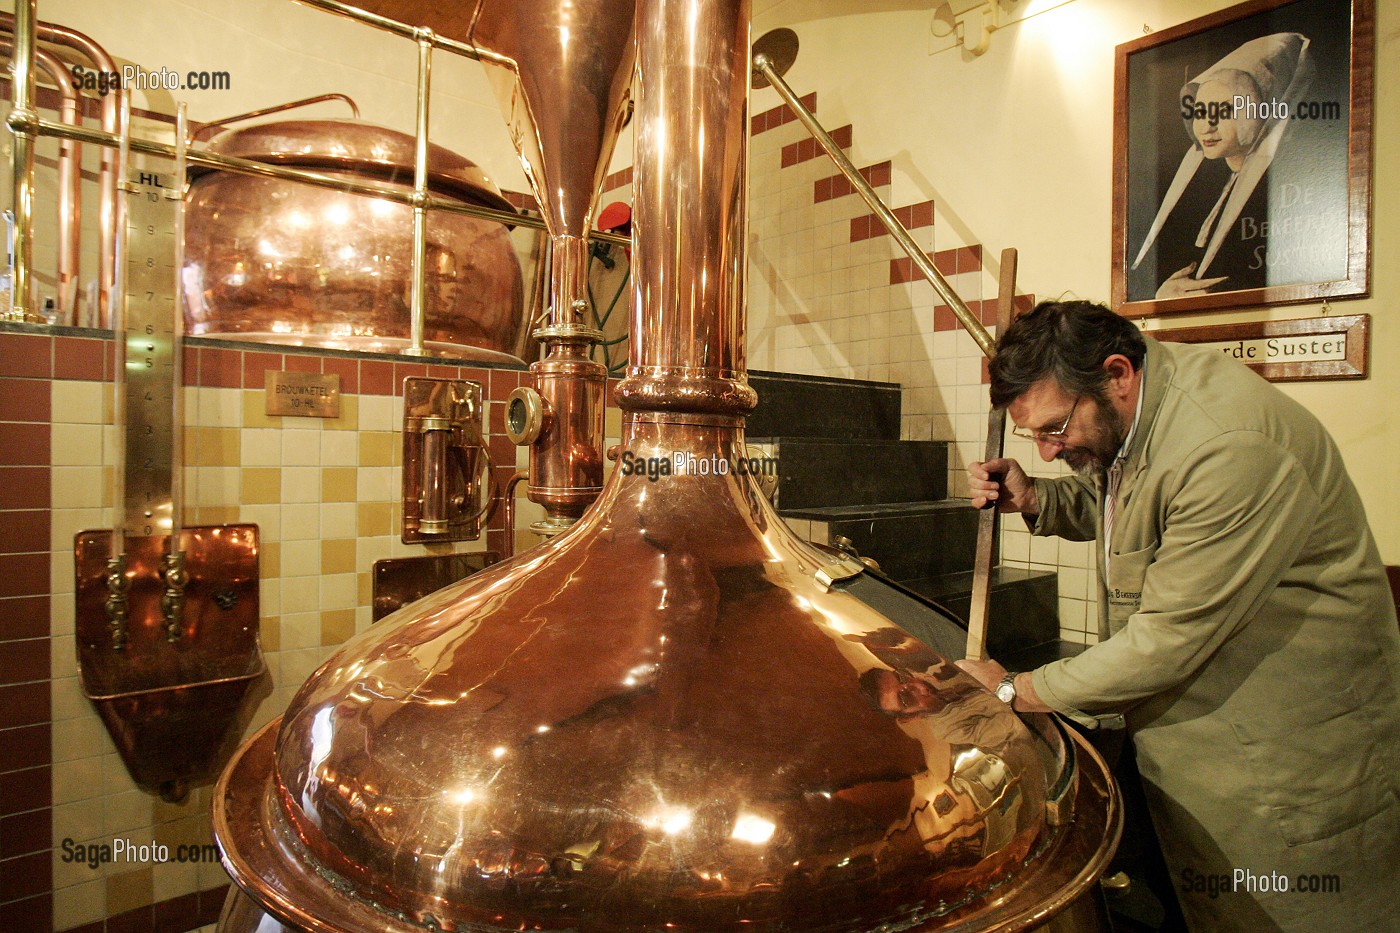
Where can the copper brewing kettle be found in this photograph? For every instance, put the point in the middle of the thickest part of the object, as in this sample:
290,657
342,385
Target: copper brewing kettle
677,715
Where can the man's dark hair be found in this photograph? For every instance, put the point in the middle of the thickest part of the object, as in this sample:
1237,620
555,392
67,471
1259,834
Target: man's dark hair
1065,339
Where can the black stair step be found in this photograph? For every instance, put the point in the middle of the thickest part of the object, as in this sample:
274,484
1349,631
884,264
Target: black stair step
1024,611
793,405
814,472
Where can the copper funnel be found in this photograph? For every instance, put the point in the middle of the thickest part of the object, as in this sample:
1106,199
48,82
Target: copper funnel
565,100
677,715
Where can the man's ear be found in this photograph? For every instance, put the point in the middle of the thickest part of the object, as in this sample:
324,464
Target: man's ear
1120,374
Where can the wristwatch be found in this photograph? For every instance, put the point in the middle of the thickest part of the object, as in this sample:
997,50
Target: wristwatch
1006,690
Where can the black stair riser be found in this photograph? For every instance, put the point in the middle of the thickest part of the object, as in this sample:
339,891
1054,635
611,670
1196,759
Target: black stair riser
812,474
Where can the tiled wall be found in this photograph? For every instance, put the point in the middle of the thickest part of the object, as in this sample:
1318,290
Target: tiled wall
325,495
832,294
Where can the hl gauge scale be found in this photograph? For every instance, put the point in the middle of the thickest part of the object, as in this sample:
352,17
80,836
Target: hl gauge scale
151,313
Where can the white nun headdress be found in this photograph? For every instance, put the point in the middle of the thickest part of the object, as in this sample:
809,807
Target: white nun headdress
1281,68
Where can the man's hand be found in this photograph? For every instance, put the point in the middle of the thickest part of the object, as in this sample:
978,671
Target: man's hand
1015,492
989,675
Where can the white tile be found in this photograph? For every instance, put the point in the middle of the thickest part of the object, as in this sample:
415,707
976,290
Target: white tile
338,591
301,447
261,446
301,521
300,594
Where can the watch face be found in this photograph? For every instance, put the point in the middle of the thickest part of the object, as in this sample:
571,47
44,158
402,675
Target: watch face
1006,692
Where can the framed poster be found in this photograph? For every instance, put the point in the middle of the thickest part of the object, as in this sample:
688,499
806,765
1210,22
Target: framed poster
1242,159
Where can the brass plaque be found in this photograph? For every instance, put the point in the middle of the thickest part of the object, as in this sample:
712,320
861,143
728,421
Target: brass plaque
308,395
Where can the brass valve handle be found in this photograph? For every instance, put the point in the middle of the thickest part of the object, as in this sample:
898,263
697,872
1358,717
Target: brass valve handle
172,603
117,606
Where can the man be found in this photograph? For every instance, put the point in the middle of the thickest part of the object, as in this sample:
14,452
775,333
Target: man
1248,638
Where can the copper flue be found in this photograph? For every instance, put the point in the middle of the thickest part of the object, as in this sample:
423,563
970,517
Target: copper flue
677,715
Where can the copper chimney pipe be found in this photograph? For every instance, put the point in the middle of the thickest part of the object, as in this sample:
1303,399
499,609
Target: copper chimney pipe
69,183
561,72
677,715
107,183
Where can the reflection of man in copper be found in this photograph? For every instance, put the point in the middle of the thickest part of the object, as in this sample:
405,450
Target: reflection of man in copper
1235,113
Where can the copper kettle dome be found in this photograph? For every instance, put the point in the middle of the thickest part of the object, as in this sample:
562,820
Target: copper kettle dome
677,715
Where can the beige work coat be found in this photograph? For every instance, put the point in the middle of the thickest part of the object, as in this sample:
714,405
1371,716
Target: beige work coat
1250,644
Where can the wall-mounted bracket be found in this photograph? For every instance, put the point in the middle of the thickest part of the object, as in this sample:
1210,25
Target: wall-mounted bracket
446,467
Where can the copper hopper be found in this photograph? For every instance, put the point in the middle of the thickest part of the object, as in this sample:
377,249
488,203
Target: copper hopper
169,699
677,715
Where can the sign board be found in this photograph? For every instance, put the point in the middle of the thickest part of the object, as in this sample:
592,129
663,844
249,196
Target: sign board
1288,351
309,395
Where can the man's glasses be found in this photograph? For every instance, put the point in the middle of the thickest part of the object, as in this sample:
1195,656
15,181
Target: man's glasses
1054,435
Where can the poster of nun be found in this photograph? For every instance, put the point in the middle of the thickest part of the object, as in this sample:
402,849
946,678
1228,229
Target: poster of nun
1242,159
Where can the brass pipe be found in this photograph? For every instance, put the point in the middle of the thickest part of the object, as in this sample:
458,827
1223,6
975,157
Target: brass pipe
419,280
405,30
508,513
969,321
205,159
69,184
107,179
223,122
22,63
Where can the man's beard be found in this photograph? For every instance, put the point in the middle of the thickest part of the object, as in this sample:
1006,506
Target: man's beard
1095,457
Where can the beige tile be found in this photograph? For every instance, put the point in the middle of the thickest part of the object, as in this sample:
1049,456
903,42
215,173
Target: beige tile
301,447
74,402
77,780
301,630
300,559
76,738
339,520
261,446
300,594
173,879
79,904
221,407
63,659
377,413
79,821
69,704
301,521
364,588
129,890
337,591
338,555
349,419
338,484
270,597
337,625
339,448
216,487
75,444
376,484
127,811
268,518
377,448
77,487
262,485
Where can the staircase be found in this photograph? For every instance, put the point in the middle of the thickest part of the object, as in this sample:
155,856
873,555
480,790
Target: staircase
843,471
